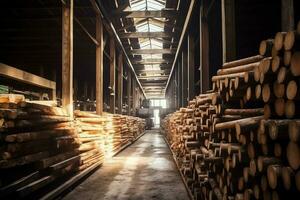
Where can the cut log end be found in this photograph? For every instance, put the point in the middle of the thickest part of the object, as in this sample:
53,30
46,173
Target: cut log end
275,63
287,56
295,64
289,40
287,175
290,109
280,106
291,90
267,111
278,40
294,131
281,74
266,92
293,155
273,172
279,89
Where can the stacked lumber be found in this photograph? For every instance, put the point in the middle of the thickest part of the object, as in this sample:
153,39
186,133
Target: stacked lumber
39,145
108,132
241,139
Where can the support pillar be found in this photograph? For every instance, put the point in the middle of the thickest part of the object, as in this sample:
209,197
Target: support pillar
287,15
99,66
129,92
191,68
120,82
67,56
112,98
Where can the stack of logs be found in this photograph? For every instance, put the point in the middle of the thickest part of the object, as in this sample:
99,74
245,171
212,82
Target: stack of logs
241,140
109,132
40,144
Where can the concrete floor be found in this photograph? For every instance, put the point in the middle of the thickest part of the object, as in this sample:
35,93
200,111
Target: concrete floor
145,170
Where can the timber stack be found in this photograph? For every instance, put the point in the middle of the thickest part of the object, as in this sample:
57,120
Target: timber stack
241,140
39,145
108,132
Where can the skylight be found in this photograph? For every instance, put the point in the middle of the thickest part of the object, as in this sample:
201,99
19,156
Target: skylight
147,4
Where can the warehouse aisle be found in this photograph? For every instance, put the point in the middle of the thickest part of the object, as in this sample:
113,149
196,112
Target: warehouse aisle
145,170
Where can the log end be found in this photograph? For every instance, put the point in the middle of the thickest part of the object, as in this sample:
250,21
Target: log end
293,155
291,90
295,64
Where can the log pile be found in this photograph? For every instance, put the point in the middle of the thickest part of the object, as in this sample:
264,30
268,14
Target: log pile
241,139
39,145
108,132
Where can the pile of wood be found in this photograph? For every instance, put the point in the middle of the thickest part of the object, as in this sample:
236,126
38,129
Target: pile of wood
108,132
39,145
241,139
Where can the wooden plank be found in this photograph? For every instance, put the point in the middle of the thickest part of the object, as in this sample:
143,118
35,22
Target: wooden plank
287,15
149,14
112,79
25,77
99,65
152,51
67,56
120,82
147,35
191,67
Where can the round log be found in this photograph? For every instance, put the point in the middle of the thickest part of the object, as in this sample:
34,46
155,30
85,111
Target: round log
280,106
287,56
287,177
293,155
265,47
294,130
278,89
279,40
295,64
276,62
263,162
273,174
243,61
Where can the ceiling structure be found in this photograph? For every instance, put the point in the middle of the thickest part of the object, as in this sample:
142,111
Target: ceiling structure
149,31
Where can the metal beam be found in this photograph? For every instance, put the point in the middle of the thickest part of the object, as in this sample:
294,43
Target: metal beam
154,84
151,61
147,35
152,51
148,14
187,19
153,77
152,71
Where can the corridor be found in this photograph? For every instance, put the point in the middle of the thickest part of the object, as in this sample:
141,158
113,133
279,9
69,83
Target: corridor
145,170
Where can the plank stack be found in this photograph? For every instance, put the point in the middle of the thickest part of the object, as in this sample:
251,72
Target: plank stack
241,139
39,145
